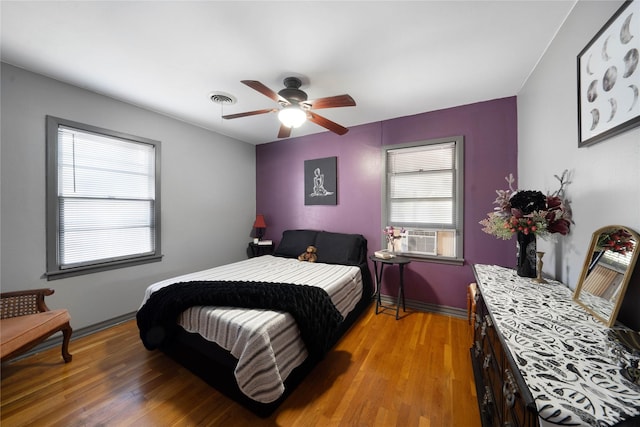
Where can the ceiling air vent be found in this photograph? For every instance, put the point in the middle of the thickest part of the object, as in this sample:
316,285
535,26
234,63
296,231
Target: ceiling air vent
223,98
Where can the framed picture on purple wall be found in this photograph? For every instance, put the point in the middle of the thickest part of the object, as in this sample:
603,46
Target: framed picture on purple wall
321,181
609,78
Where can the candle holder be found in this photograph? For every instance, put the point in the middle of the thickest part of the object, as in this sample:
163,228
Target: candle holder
539,265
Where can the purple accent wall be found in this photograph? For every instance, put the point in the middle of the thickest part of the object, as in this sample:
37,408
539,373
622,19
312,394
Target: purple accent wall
490,137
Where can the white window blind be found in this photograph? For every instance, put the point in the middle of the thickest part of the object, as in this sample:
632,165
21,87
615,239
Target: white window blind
106,197
102,199
421,186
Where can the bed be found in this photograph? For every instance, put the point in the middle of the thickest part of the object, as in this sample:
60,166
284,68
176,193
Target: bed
255,328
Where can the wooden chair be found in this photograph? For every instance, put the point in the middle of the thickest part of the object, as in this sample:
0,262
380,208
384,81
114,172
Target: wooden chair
26,321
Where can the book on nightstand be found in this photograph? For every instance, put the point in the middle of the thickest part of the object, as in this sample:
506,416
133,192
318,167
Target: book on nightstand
384,254
265,242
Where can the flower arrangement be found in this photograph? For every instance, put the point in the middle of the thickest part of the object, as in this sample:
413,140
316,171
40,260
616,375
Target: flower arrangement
529,212
392,234
619,241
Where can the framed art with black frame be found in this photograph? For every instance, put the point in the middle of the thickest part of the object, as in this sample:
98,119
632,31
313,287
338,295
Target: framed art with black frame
609,78
321,181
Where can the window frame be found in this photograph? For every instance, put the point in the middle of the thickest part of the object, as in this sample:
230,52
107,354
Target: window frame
54,269
458,177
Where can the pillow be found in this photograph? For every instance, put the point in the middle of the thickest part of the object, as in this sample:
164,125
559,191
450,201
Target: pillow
295,242
339,248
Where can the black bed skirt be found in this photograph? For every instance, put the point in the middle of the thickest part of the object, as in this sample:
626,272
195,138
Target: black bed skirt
215,365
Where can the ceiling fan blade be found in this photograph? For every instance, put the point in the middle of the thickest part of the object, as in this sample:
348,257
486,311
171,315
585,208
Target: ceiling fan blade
248,113
284,132
256,85
326,123
331,102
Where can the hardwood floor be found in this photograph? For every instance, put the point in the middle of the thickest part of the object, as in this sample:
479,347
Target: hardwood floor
412,372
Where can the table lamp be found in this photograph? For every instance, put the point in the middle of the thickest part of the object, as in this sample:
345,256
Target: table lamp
259,225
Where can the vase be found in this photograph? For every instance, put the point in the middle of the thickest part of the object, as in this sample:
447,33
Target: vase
526,255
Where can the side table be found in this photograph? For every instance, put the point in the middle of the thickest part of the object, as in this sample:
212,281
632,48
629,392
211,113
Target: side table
401,262
255,249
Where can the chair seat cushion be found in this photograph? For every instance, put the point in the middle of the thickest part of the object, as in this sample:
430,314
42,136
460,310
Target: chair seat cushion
18,331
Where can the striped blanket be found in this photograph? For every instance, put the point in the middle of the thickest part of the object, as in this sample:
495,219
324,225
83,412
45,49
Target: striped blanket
267,343
316,316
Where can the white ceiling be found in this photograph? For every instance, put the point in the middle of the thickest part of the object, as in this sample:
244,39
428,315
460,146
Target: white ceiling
394,58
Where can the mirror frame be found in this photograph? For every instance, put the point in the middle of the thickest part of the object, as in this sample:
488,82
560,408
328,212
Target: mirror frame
625,279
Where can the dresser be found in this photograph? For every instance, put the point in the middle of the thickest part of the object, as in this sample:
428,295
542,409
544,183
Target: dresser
540,360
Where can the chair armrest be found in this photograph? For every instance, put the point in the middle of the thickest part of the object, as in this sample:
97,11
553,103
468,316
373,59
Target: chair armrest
21,303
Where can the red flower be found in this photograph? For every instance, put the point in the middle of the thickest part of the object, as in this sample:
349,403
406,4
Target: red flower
554,202
616,241
559,226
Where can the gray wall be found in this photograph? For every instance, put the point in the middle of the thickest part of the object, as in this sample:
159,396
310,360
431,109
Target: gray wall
208,195
605,187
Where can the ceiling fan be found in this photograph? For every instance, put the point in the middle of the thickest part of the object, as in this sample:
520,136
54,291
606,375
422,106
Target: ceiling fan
295,108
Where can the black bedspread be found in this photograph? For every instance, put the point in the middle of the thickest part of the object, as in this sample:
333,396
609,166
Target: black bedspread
311,307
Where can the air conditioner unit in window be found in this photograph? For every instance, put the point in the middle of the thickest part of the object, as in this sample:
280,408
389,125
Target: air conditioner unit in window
421,242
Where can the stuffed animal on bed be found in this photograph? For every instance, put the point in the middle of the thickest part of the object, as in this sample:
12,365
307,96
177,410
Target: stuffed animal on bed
309,255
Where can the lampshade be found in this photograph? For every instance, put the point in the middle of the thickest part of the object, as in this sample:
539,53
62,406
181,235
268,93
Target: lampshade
259,222
292,116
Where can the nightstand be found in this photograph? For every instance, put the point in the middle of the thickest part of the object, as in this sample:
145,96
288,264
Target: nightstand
256,249
400,262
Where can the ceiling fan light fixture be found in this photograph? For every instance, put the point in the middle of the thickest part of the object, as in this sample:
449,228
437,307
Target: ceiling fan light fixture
292,116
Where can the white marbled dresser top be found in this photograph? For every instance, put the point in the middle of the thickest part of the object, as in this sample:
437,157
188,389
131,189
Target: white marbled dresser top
563,353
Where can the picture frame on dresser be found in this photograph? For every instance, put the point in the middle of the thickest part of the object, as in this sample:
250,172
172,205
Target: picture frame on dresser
609,78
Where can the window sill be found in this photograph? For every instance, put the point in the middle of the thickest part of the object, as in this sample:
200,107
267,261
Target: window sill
435,260
88,269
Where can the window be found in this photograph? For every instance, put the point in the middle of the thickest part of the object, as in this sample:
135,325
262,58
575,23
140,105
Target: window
103,199
423,198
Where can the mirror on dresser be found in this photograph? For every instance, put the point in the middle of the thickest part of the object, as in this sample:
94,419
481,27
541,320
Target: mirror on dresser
606,272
